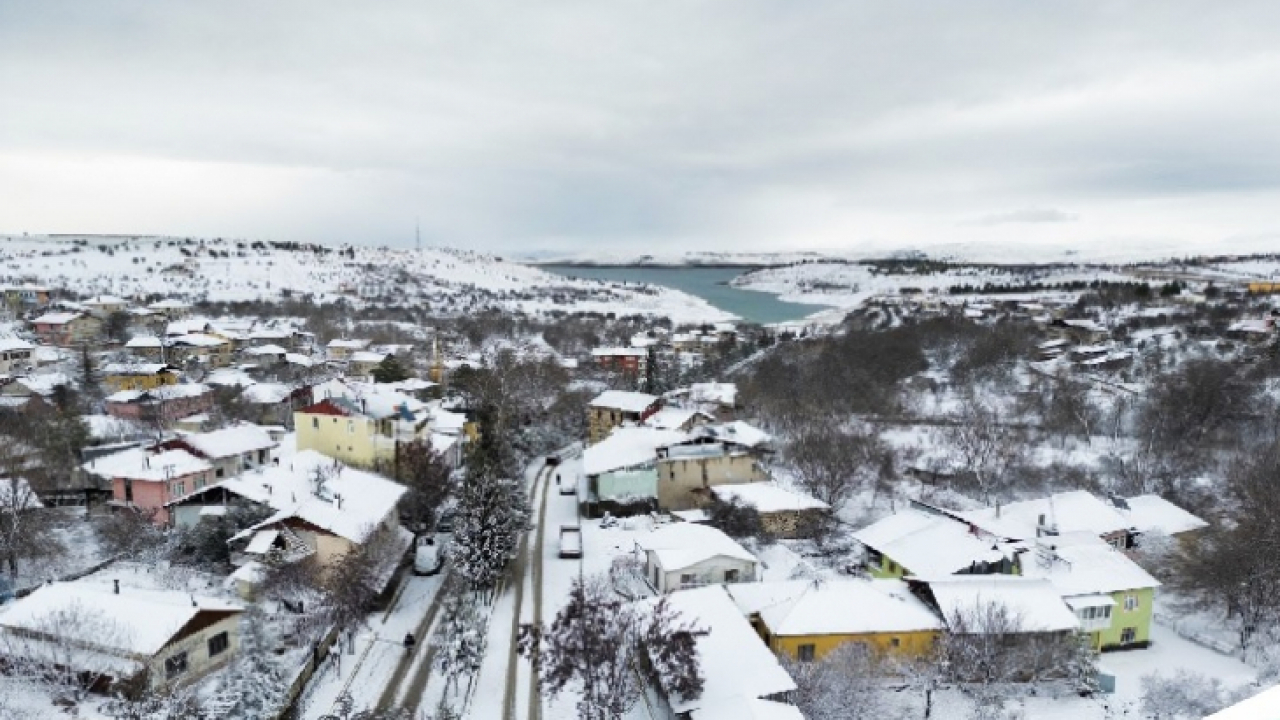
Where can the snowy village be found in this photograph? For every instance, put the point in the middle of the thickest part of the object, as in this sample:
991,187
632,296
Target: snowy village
969,491
715,360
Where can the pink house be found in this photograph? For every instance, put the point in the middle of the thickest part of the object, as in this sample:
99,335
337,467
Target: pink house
147,480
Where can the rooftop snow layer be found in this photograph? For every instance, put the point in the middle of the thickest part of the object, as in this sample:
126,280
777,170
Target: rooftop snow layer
684,544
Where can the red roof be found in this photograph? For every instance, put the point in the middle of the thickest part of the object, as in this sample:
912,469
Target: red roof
325,407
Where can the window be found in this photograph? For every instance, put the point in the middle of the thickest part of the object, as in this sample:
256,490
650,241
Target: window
688,579
731,576
179,489
175,665
351,427
1130,603
199,483
219,472
895,642
218,644
315,423
1128,635
805,652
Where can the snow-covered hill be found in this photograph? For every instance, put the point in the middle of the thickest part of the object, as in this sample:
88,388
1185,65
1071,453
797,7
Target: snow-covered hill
228,270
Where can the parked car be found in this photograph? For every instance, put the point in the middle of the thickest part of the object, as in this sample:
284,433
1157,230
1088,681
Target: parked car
568,485
553,460
446,520
570,541
428,558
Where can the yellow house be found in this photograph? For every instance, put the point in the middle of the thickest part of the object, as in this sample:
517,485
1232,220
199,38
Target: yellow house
364,430
138,376
806,621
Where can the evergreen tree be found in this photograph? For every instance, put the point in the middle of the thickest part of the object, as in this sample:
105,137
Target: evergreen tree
493,508
254,686
89,378
389,370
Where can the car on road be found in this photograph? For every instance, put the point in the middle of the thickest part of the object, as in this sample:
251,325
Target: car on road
567,485
570,541
553,460
428,557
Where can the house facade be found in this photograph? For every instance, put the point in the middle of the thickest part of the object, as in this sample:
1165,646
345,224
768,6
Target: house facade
615,408
138,376
16,356
67,329
685,555
147,481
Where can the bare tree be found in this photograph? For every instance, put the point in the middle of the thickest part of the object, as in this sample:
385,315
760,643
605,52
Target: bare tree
986,447
69,650
846,684
599,643
430,483
26,530
833,463
1182,695
988,644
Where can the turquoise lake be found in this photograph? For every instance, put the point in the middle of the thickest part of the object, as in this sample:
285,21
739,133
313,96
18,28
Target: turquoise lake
710,284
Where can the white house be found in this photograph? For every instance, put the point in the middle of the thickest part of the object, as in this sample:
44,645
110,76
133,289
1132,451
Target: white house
742,678
688,555
133,640
232,450
16,356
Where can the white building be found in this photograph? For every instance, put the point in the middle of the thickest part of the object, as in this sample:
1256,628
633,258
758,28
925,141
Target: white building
687,555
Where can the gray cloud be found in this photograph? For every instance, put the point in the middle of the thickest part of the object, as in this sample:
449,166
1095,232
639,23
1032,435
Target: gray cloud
1030,215
744,125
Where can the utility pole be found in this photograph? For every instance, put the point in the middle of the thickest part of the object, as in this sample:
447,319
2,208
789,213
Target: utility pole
417,234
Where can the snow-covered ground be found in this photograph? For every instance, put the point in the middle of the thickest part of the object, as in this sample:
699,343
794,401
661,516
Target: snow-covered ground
227,270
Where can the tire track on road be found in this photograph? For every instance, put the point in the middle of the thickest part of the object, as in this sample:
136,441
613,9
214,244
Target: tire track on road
539,542
388,695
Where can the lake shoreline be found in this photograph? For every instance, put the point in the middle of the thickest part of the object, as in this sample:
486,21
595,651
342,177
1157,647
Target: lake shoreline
714,284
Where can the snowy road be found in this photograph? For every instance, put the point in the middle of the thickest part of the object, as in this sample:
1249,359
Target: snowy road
372,664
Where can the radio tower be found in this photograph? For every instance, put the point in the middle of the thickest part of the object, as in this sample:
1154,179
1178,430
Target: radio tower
417,234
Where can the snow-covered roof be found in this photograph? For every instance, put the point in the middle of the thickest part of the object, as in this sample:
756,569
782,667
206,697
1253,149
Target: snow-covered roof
266,350
671,418
1035,603
736,433
140,464
231,441
931,545
747,709
143,341
105,300
349,344
9,343
266,393
230,377
136,368
200,340
355,501
1152,513
366,356
298,359
624,400
684,544
1258,326
1075,511
56,318
838,607
628,447
735,665
146,620
164,392
1085,569
619,352
767,497
714,392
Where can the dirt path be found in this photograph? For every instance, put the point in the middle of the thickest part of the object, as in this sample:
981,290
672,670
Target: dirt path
388,696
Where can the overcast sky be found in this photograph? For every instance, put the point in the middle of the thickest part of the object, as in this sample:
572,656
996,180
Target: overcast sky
633,127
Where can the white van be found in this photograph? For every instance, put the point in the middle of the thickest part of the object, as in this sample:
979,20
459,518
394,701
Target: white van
428,558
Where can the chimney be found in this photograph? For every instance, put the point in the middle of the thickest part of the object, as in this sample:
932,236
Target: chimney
117,588
339,502
193,602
